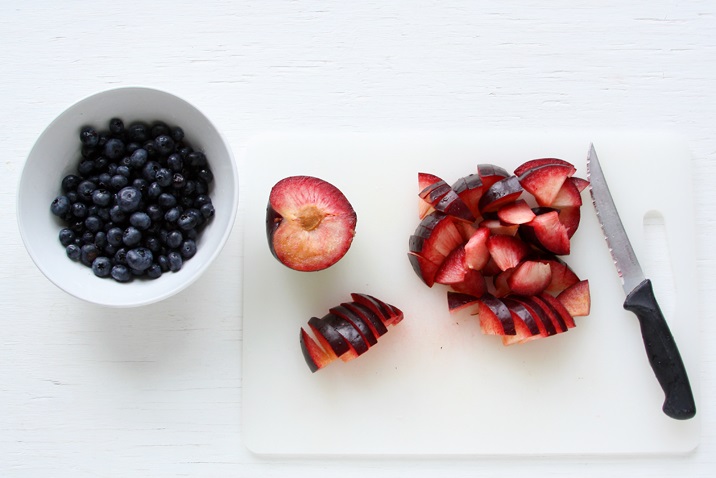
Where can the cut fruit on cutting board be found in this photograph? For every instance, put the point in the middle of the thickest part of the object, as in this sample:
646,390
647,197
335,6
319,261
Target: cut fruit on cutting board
435,385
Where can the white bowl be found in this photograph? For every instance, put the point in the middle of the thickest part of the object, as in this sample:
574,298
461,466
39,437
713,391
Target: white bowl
56,154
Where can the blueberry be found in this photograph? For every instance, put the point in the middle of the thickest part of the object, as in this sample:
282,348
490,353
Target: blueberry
114,148
103,180
101,266
70,182
79,210
149,172
163,177
163,262
188,249
138,158
120,273
154,271
140,220
187,220
118,181
88,253
153,244
189,187
103,213
175,261
87,237
101,197
101,163
73,252
124,170
60,206
173,214
86,167
114,236
139,258
207,210
155,212
164,144
197,159
100,239
116,126
167,200
93,224
205,175
202,188
177,134
138,132
154,190
174,239
151,148
131,236
89,136
85,190
128,198
159,128
116,214
120,257
175,162
178,181
67,236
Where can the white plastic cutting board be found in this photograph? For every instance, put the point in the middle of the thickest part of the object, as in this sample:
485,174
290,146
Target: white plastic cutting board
434,384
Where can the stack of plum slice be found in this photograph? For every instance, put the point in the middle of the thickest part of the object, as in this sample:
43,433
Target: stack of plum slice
495,239
347,330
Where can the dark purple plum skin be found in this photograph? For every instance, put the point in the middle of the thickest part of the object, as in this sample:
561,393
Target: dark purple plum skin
337,342
501,311
523,313
357,321
348,331
504,188
273,221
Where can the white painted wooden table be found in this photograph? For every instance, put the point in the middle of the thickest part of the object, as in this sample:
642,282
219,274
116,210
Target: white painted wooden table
155,391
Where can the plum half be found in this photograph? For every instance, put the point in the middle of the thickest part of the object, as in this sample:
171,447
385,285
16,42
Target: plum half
310,224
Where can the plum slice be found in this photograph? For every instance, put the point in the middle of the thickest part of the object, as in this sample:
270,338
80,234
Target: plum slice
357,321
529,278
542,320
316,356
495,318
559,309
544,182
507,251
576,298
489,174
502,192
537,163
371,318
470,189
333,342
547,232
355,339
519,212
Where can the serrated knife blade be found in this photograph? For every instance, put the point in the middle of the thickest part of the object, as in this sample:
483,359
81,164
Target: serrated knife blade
661,349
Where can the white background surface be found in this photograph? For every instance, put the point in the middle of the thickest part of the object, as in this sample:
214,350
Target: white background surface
156,391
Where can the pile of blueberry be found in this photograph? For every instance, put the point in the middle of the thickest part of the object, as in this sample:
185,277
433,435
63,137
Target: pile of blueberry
137,202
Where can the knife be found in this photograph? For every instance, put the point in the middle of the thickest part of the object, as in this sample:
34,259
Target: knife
661,349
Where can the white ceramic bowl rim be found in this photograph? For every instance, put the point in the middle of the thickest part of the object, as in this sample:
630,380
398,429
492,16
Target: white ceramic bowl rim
56,153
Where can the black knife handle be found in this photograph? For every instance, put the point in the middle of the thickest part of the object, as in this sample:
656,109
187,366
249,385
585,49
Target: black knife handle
662,352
